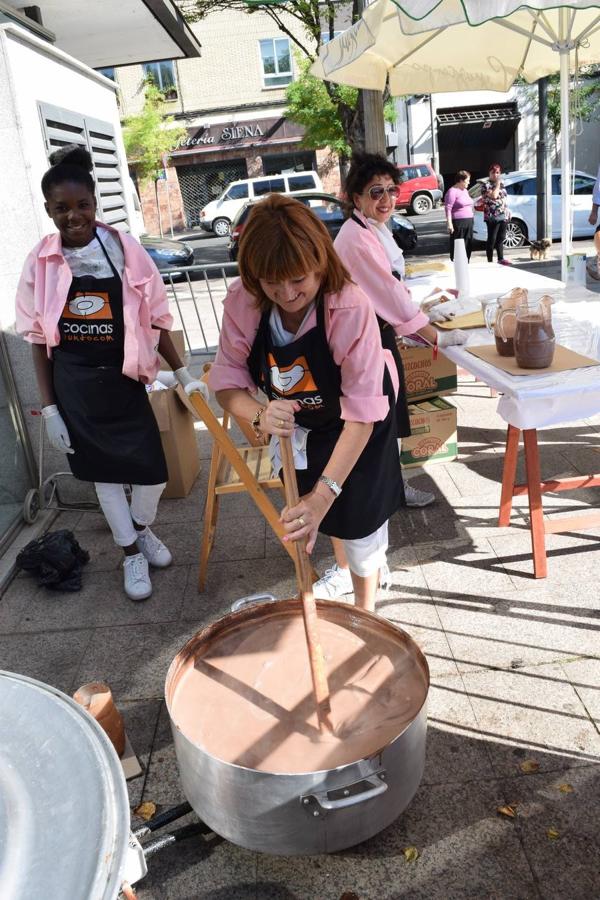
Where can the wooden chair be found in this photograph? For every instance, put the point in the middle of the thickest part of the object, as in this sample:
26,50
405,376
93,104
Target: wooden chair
233,470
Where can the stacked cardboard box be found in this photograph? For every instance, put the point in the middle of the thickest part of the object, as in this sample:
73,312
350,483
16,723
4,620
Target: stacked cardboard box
432,420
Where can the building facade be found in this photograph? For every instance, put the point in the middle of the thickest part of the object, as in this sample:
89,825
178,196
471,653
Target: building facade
231,101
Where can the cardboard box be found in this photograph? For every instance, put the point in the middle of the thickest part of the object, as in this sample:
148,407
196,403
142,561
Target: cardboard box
175,417
433,437
424,376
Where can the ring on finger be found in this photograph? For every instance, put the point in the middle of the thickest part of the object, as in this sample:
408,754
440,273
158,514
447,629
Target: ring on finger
300,521
280,423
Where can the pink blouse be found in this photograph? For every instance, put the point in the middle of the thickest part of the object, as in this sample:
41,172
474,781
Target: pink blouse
363,255
353,337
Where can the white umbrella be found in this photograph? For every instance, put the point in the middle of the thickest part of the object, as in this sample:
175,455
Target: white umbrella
426,46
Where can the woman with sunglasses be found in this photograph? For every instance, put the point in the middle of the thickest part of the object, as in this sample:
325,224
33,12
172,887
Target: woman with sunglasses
298,328
368,250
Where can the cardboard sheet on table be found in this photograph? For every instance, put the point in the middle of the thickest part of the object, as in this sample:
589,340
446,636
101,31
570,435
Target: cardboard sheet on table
468,320
564,360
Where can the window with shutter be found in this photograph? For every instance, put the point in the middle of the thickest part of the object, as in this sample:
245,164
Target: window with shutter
63,126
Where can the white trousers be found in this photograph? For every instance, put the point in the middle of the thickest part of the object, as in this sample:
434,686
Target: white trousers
367,555
120,515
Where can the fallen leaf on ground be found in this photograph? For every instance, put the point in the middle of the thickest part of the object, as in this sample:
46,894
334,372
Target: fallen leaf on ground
566,788
552,834
509,810
529,766
411,854
145,810
349,896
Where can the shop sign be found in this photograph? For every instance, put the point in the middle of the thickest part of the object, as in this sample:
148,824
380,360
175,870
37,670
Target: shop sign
225,134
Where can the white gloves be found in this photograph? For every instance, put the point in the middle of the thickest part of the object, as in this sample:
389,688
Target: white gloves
452,338
56,429
189,383
438,314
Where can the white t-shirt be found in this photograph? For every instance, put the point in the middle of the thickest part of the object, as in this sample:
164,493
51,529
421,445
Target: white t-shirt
90,260
393,251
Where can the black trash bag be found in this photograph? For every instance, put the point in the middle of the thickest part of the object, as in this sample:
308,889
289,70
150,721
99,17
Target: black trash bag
56,559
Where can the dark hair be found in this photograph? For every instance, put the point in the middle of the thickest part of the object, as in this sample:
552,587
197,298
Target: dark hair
284,239
364,167
461,175
70,163
495,166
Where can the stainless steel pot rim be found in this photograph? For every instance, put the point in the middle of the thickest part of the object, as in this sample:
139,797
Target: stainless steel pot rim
235,619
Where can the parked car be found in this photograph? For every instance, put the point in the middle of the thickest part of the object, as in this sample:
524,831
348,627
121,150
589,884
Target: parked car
218,215
420,188
331,211
167,254
521,188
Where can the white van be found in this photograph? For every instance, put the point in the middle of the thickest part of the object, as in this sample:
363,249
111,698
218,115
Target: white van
218,215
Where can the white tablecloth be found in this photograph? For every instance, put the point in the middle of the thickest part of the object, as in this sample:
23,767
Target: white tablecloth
533,401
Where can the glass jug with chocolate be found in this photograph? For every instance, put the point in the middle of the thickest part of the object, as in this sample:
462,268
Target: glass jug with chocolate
493,315
533,336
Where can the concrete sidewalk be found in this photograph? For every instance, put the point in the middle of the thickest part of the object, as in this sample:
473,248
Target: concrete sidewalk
515,667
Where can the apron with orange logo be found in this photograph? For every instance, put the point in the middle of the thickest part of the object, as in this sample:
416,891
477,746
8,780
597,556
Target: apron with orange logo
305,371
108,415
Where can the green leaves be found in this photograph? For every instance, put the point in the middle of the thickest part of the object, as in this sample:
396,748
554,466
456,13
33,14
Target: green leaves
149,135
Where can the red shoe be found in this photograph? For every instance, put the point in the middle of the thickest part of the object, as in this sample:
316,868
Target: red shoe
505,262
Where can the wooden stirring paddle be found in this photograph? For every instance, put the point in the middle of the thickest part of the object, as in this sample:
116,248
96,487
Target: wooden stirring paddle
309,607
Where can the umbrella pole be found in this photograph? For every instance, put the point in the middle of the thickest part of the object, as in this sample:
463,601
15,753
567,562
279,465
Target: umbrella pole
565,163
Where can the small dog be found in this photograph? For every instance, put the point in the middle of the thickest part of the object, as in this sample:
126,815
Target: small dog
539,249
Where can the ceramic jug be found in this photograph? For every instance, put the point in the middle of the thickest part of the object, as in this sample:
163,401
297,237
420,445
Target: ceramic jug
533,335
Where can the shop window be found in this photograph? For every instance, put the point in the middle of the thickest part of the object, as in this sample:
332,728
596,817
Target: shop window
276,62
108,72
163,76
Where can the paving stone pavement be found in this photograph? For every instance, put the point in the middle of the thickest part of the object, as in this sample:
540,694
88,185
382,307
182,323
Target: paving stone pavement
515,669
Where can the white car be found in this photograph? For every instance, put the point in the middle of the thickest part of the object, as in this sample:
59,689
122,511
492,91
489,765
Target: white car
522,201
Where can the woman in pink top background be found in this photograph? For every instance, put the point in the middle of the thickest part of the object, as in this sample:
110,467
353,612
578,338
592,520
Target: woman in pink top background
296,327
459,212
94,308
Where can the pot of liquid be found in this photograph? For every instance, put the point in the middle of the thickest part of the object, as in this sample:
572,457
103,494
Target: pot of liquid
534,339
253,761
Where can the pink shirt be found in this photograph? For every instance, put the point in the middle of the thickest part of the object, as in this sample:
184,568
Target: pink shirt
44,285
363,255
353,337
458,203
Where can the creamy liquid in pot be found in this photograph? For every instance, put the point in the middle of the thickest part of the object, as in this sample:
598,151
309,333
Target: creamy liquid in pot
248,699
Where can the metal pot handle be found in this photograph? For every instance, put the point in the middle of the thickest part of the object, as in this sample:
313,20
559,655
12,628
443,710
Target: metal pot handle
252,598
379,786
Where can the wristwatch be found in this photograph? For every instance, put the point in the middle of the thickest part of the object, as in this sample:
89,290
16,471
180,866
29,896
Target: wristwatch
255,423
331,484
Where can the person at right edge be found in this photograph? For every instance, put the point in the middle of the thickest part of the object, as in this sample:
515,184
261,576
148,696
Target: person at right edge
495,213
367,249
593,265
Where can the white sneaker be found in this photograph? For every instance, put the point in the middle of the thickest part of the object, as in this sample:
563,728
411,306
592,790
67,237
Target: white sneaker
415,497
153,549
137,580
335,583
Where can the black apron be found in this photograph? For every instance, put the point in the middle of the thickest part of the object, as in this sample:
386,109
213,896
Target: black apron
388,342
305,371
110,421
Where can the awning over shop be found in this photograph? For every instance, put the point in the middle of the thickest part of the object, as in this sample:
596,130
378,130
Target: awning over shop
489,126
114,32
237,135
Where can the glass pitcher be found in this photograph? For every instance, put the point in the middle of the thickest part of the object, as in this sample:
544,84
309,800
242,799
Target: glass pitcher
533,336
492,314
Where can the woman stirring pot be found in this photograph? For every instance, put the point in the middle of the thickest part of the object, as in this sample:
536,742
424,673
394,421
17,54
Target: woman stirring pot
93,305
297,327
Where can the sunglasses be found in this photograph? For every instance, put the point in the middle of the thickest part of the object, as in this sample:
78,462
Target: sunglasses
377,192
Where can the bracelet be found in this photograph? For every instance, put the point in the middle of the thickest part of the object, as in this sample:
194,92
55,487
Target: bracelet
331,484
255,423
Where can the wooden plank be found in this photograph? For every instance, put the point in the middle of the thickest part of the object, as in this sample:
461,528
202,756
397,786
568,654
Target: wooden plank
555,485
536,512
509,472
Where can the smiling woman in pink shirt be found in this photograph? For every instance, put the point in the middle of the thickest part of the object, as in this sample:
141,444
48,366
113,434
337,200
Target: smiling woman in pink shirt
94,308
296,326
